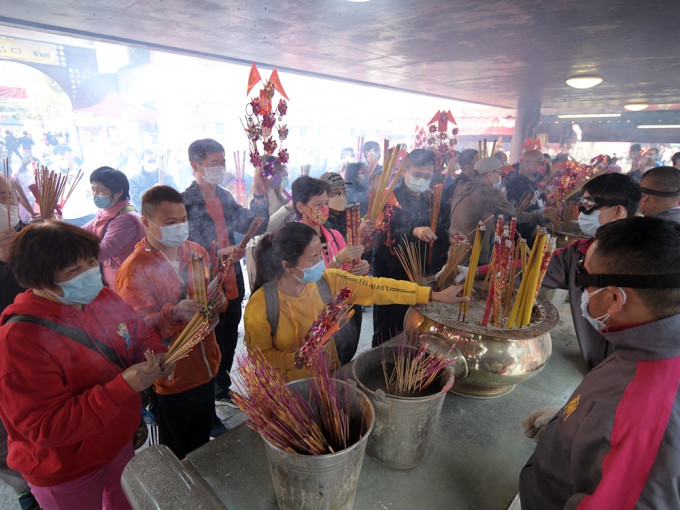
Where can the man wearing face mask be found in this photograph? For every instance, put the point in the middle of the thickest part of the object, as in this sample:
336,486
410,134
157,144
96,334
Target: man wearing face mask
476,199
660,188
606,198
614,444
411,219
147,177
156,282
214,217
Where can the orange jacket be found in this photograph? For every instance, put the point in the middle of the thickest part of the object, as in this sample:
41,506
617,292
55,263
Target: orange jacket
148,283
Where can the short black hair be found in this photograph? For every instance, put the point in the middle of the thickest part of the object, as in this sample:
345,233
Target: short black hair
663,178
466,157
156,195
352,172
287,243
643,246
42,249
422,157
635,147
370,146
113,179
304,188
675,158
199,149
618,186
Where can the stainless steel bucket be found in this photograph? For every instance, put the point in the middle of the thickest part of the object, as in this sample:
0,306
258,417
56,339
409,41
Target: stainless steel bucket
404,426
322,482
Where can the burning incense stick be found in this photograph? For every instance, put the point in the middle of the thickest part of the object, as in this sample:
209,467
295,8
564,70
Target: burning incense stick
437,191
472,269
412,371
457,252
191,335
197,273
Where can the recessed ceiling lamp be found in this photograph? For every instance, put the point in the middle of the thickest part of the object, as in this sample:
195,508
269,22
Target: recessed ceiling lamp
584,81
588,115
659,126
635,107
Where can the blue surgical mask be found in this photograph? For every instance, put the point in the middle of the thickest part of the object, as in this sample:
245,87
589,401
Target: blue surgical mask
599,323
81,289
311,274
418,185
173,235
102,201
589,223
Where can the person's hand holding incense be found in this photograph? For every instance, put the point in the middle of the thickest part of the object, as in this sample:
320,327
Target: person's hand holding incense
366,228
234,252
185,310
6,237
361,268
425,234
219,303
142,375
450,295
457,237
349,253
259,184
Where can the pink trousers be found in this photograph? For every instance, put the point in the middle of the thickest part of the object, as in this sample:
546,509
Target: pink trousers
99,490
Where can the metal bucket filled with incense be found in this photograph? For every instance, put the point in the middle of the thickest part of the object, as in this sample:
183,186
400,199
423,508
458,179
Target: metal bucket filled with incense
504,335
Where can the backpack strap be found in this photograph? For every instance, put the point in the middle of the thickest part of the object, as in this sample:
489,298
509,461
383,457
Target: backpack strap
74,334
271,300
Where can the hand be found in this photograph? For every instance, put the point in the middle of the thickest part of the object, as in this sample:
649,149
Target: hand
6,237
219,303
366,228
185,310
361,268
259,185
142,375
457,237
425,234
349,253
450,295
166,370
534,424
462,275
232,251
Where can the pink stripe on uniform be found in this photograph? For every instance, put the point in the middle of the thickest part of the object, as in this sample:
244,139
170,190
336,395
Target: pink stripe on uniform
639,426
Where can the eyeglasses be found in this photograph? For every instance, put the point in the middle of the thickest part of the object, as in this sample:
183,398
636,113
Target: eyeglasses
587,205
337,193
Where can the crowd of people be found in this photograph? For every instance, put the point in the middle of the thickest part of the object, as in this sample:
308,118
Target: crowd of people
83,299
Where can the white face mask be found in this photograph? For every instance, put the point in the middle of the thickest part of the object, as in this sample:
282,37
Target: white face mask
173,235
418,185
338,203
599,323
13,216
215,174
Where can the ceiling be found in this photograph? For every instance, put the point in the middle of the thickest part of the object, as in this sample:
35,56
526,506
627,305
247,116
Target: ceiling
492,52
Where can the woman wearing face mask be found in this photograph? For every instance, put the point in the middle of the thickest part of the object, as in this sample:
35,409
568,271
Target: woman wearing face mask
70,384
477,199
117,224
290,262
606,198
311,201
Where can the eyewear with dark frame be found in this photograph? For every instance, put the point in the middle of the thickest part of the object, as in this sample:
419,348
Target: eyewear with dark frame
588,205
635,281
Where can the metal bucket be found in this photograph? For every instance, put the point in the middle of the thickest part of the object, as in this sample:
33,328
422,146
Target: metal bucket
322,482
404,426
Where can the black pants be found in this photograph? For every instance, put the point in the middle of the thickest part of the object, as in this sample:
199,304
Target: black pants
185,419
347,339
388,321
226,333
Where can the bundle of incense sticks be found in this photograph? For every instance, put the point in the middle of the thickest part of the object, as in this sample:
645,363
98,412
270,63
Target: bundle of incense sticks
396,157
304,169
412,372
360,148
472,269
8,180
21,196
532,276
239,164
493,298
191,335
162,164
457,253
353,223
252,230
411,258
239,181
435,204
330,320
283,416
48,188
197,273
525,201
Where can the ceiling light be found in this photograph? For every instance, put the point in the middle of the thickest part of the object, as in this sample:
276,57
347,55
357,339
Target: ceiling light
588,115
635,107
584,82
659,126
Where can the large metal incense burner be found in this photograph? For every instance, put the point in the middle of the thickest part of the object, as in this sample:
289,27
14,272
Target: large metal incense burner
493,359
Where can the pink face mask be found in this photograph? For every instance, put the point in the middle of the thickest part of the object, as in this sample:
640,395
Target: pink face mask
317,215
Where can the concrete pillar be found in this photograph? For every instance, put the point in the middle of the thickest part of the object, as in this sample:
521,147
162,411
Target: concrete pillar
528,116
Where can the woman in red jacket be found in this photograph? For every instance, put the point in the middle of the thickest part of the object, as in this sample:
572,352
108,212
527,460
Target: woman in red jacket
72,371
